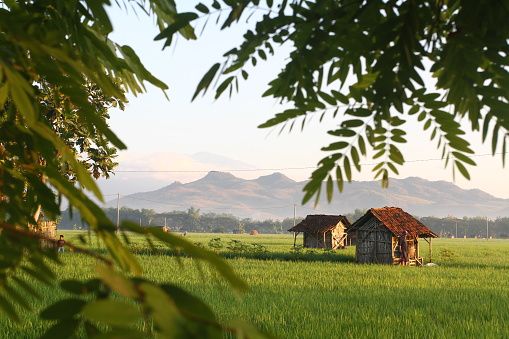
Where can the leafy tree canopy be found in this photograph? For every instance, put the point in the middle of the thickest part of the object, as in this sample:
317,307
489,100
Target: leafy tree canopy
364,62
59,75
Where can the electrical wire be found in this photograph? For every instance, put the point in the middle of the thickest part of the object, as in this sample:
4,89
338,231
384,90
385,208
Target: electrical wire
278,169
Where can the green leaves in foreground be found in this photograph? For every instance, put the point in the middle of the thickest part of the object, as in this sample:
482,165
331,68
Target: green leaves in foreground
119,306
125,306
194,251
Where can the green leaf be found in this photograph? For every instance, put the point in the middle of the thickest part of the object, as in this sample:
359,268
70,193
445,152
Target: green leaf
336,146
413,110
117,282
38,275
112,312
462,169
189,304
21,94
206,80
362,145
343,132
427,124
25,286
330,189
162,309
355,158
7,307
393,168
352,123
4,92
359,112
100,15
348,169
63,329
196,252
63,310
327,98
462,157
202,8
223,86
73,286
339,178
182,21
340,97
16,296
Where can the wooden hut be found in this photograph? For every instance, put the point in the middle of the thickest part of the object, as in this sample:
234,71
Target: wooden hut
377,234
48,229
322,231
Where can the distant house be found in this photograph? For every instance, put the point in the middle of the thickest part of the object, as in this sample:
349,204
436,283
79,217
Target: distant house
322,231
377,234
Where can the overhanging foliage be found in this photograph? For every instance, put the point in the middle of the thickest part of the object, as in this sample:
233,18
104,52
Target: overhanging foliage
364,63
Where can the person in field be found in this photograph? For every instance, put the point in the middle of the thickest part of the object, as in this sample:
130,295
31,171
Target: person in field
61,243
403,248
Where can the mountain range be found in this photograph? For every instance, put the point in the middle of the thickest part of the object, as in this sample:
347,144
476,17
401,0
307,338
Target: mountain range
274,197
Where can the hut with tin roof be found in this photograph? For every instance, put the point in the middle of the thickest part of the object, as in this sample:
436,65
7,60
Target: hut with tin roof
322,231
377,234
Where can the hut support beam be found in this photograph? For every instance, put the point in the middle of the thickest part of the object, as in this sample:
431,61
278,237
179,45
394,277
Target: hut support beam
430,242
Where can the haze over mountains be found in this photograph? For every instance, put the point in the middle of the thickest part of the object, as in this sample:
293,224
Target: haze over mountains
273,197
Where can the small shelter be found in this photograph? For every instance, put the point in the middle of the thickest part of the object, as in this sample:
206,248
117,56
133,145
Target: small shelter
322,231
377,234
47,229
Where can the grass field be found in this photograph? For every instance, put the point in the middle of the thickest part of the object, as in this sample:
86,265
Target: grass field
327,295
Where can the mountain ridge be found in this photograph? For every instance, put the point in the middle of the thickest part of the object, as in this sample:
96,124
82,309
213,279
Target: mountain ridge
273,196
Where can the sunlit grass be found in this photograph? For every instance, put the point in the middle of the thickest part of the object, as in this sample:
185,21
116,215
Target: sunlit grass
466,297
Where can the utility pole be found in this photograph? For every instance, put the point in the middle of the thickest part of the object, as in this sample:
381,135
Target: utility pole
118,212
294,214
487,231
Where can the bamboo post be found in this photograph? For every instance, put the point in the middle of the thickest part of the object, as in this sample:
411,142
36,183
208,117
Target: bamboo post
430,249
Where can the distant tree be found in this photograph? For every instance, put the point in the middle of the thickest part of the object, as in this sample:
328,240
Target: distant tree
364,63
353,217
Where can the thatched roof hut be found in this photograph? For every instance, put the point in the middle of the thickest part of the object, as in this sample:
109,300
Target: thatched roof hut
322,231
377,234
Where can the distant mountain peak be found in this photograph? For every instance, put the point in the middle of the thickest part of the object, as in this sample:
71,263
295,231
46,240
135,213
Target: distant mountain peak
275,180
215,176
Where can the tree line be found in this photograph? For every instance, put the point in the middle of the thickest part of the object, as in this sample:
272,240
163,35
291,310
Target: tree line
191,220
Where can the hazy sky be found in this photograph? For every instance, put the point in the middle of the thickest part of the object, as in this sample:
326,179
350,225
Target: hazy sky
228,126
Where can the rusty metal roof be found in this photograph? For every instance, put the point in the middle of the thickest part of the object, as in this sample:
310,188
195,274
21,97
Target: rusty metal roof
397,221
320,223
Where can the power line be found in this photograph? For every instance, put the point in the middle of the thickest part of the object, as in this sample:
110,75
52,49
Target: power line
281,168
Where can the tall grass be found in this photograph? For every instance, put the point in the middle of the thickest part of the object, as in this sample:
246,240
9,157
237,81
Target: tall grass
465,296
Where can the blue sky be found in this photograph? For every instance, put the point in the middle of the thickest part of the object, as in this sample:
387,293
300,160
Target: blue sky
165,131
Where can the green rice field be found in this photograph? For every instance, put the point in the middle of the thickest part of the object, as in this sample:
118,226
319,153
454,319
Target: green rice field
324,294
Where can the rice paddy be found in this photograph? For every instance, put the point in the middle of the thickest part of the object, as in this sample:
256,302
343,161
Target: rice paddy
319,294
